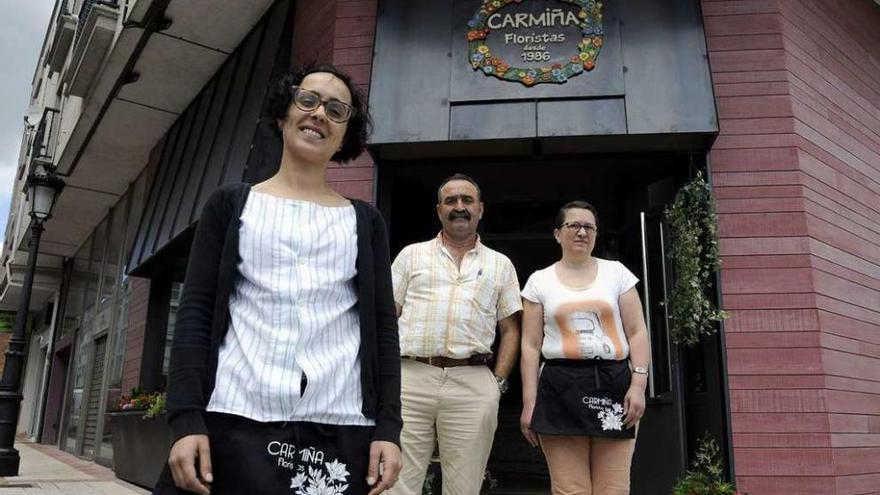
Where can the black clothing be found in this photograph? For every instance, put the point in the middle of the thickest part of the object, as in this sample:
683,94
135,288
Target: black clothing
249,456
203,315
582,397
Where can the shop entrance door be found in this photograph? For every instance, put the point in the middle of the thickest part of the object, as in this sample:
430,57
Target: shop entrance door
55,396
661,453
521,200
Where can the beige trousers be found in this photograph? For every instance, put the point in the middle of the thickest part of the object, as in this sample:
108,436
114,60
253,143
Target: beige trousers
461,405
588,465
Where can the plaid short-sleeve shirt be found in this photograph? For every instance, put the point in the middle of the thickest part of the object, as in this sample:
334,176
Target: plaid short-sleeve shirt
449,310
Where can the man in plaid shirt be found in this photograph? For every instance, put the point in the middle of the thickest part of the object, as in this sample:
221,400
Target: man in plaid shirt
450,293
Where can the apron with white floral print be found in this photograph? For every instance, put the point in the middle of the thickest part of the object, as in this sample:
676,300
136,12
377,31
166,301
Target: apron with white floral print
290,458
582,397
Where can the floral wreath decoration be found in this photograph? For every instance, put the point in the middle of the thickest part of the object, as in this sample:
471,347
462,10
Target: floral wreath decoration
481,58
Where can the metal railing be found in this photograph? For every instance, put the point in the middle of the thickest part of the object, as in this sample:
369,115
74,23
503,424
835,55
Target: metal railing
84,12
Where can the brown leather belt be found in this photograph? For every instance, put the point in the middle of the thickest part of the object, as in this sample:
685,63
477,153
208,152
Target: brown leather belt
447,362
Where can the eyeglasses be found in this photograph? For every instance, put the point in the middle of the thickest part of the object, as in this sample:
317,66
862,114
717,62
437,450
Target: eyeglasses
576,227
309,101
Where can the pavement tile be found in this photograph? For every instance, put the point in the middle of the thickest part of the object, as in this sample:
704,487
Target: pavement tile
45,470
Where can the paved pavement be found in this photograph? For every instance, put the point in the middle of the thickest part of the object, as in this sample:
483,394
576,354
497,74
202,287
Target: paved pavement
45,470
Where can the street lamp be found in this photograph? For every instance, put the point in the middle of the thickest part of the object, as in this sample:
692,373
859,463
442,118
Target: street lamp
42,188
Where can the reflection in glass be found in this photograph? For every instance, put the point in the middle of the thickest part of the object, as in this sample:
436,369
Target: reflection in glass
107,306
71,327
93,322
176,288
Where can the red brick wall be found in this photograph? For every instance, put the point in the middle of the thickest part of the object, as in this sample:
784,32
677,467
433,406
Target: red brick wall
134,337
834,75
341,32
796,172
313,32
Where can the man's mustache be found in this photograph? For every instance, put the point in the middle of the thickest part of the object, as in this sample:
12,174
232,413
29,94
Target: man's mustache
455,215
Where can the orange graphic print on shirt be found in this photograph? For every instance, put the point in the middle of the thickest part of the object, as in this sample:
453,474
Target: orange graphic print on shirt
588,330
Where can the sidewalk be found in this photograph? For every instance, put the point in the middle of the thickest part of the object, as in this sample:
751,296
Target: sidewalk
45,470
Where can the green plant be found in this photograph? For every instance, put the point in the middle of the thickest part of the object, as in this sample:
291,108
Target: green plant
694,256
140,400
157,406
706,476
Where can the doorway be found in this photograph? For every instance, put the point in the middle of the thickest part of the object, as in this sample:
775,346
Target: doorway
521,199
54,397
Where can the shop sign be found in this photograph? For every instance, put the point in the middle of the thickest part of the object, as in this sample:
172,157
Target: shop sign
535,41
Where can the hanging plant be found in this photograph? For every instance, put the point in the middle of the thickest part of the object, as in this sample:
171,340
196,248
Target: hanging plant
695,259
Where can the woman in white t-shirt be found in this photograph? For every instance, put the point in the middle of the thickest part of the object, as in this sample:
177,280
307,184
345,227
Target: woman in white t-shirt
584,316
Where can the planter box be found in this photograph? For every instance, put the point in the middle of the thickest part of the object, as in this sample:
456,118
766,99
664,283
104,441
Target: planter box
140,447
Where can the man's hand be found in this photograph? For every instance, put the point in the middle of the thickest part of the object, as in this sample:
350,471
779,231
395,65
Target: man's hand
182,460
384,466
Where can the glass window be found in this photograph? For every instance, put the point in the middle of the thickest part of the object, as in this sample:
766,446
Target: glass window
99,238
98,301
76,291
111,267
176,288
114,301
121,330
72,322
84,355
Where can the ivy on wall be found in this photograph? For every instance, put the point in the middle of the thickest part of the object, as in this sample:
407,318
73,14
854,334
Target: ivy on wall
695,259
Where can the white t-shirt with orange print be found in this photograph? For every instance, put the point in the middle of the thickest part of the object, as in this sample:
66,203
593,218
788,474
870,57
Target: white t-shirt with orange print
582,323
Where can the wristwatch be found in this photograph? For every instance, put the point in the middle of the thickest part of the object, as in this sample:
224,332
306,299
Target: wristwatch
640,370
502,383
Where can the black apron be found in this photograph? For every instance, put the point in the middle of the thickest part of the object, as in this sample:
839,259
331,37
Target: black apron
582,397
291,458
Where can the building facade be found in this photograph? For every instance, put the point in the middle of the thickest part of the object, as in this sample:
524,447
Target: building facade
147,106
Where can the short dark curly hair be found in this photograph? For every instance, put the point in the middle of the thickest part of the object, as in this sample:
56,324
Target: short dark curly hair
360,124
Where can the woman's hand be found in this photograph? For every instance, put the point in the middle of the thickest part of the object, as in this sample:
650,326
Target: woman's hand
634,403
182,461
532,339
387,456
525,422
639,354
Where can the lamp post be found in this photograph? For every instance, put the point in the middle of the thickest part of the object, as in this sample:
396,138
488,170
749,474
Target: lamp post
42,188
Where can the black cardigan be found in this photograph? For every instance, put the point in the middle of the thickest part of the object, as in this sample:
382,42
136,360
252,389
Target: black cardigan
203,315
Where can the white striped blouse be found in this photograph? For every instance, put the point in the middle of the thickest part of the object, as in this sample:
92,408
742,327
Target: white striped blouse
293,317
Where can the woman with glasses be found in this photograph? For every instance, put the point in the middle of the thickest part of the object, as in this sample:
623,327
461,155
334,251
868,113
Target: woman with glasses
582,405
285,365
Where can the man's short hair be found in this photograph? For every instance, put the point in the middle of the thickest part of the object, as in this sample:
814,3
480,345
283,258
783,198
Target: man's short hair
458,176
